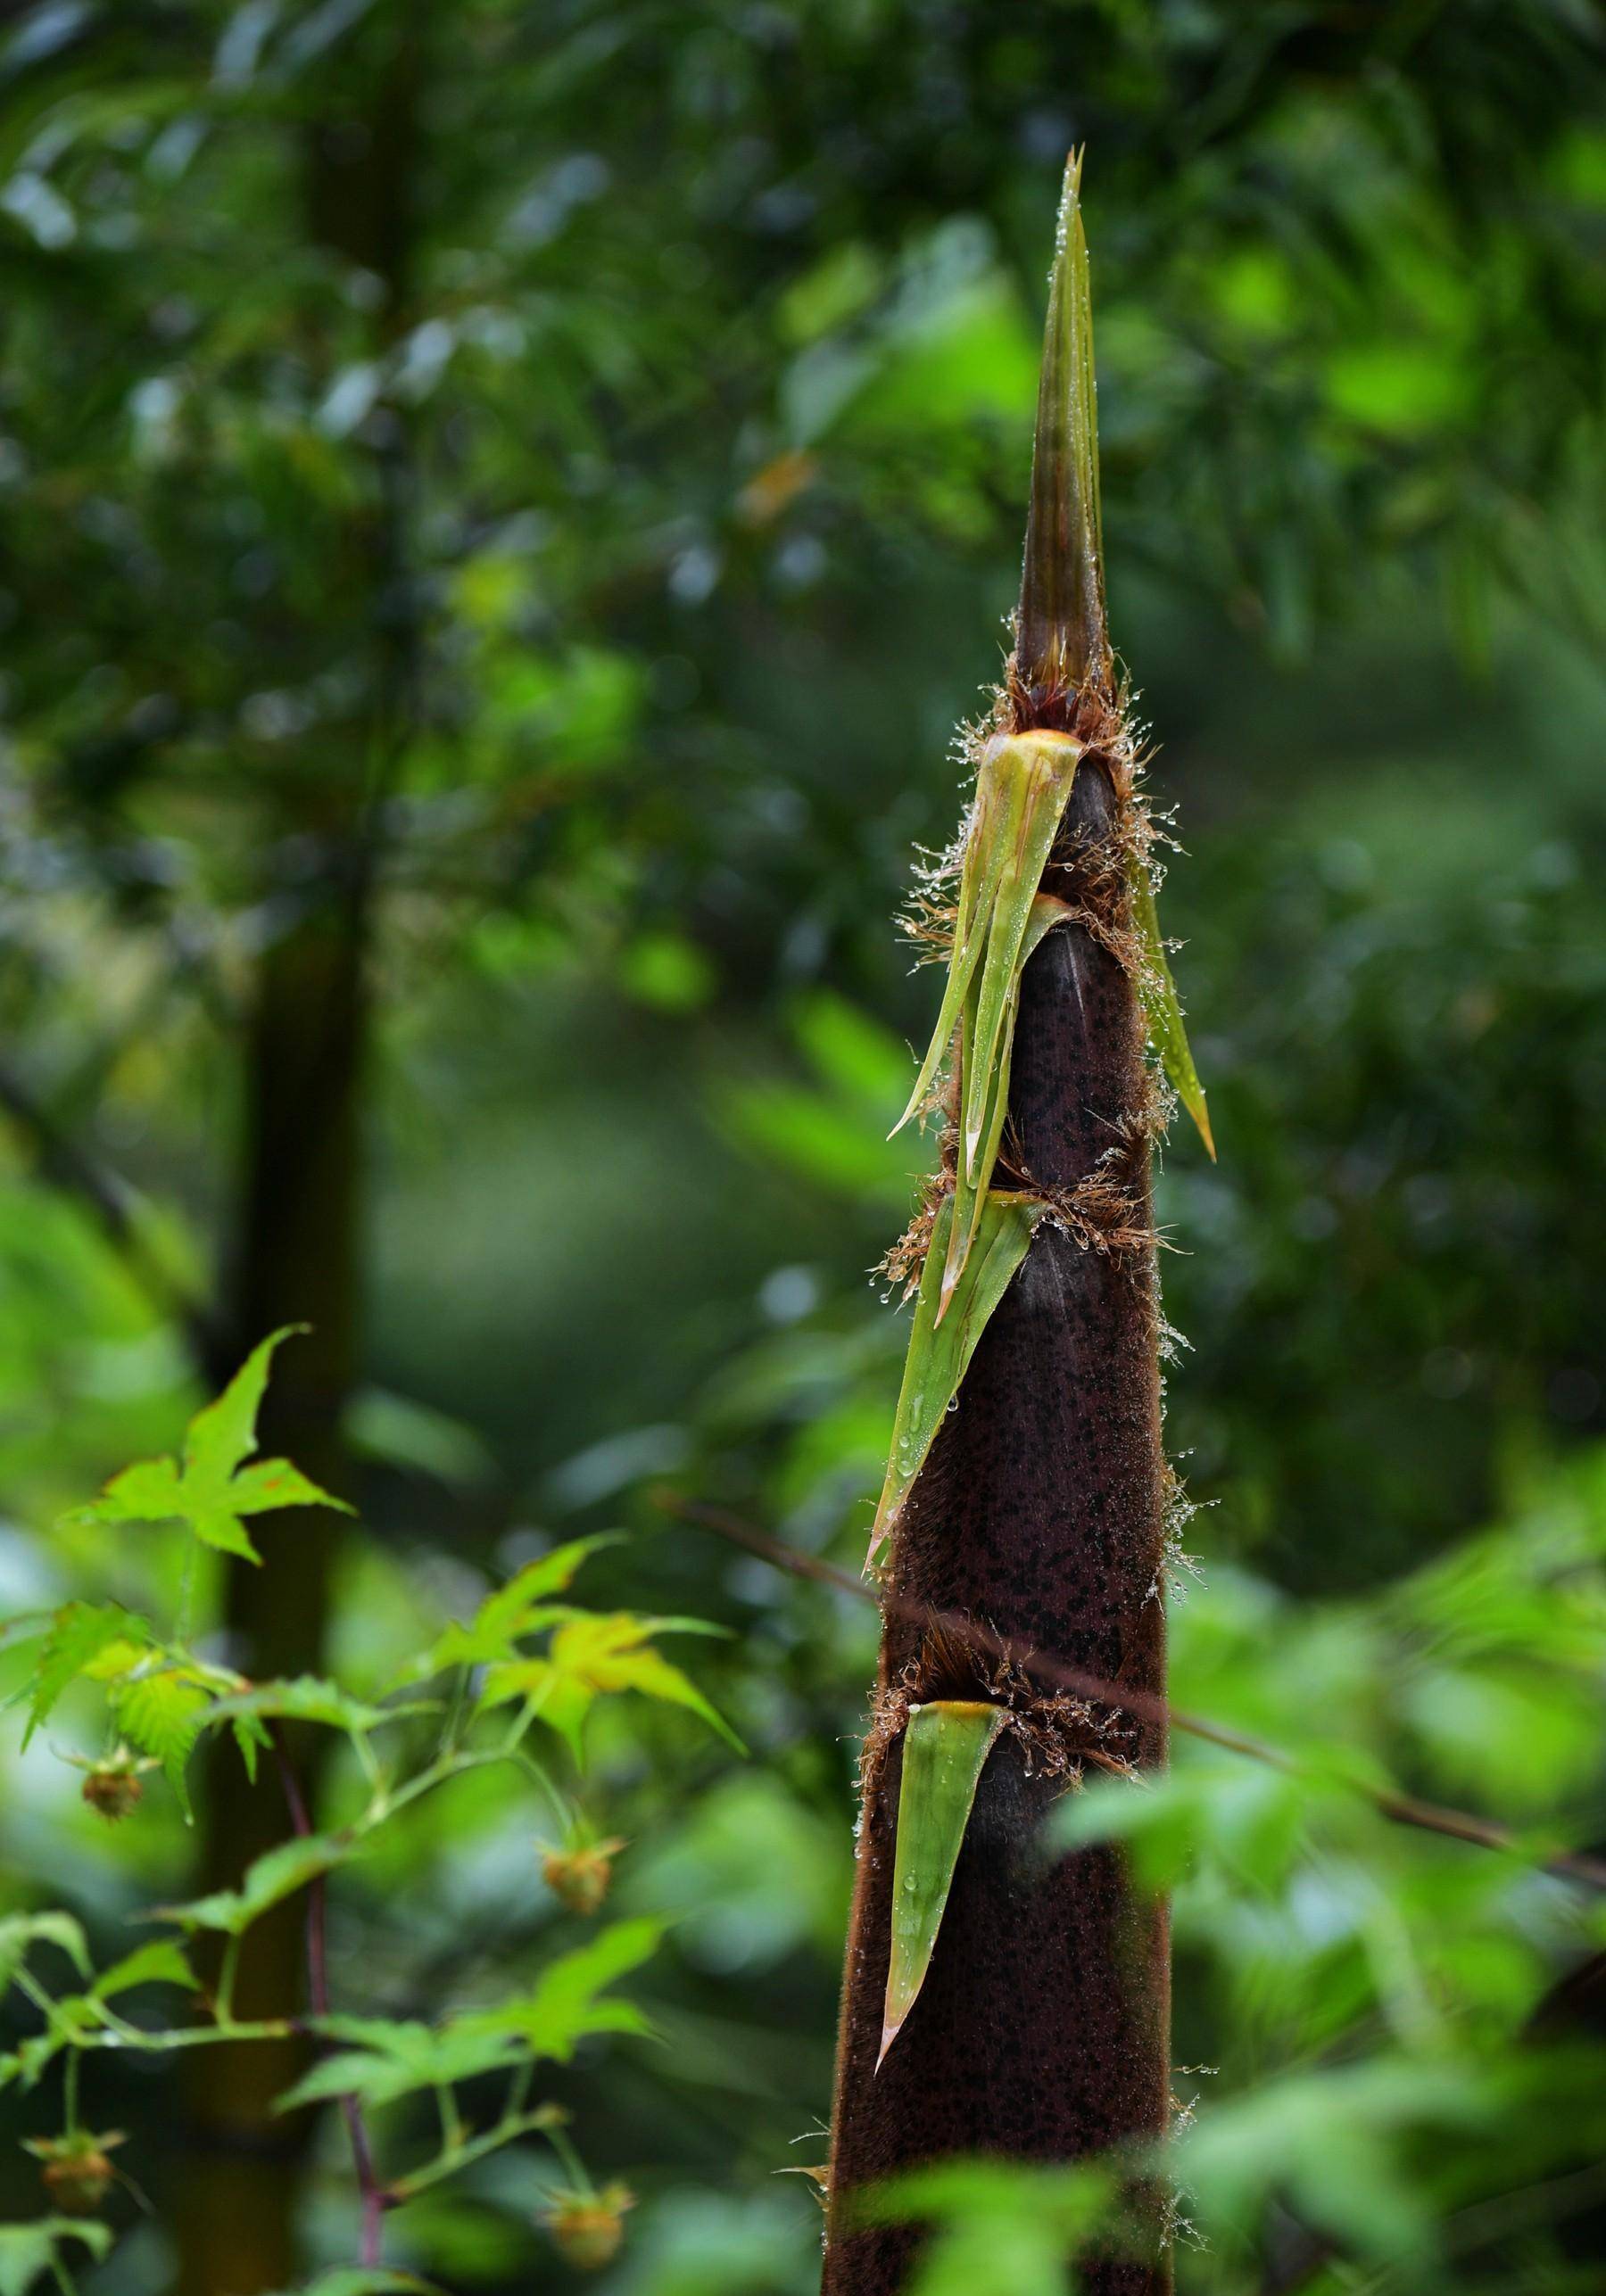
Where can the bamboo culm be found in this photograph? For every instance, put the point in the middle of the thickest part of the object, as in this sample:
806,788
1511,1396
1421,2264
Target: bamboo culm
1041,2030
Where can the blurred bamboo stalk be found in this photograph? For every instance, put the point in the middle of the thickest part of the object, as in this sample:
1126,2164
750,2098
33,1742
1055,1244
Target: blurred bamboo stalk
298,1249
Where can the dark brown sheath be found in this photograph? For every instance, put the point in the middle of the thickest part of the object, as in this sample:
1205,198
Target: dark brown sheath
1042,2031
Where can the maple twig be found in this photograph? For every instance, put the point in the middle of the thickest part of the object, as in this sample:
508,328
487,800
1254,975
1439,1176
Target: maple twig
318,1996
1400,1809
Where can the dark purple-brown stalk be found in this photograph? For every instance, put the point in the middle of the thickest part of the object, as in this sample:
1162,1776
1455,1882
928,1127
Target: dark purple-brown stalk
1041,2034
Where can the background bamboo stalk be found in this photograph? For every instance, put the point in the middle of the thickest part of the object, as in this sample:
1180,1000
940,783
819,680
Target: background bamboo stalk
299,1247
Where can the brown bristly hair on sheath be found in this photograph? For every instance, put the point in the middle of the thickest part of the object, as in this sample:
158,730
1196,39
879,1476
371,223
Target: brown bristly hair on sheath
902,1262
1092,877
1059,1732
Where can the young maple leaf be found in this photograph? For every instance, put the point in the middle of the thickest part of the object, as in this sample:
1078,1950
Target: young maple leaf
210,1488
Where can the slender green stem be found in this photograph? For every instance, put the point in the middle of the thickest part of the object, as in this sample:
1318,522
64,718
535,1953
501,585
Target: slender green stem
512,1748
448,2162
368,1759
574,2167
526,1715
563,1810
69,2093
460,1680
117,2032
67,2034
223,2005
189,2036
48,2009
120,2026
186,1592
451,2121
388,1801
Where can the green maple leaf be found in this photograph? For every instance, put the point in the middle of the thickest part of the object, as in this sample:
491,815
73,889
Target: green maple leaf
80,1633
592,1655
394,2059
20,1931
160,1962
160,1713
28,2251
279,1873
363,2280
210,1489
564,2004
516,1609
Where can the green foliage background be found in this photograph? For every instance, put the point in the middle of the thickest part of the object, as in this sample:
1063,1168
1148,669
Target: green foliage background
696,446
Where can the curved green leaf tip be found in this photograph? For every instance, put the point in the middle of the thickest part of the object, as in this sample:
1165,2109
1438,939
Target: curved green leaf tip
1162,1010
945,1747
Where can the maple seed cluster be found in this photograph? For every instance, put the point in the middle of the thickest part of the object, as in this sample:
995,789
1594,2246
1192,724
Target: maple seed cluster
589,2226
76,2175
579,1877
112,1786
159,1693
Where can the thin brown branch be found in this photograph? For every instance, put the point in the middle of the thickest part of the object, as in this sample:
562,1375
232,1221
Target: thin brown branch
1400,1809
368,2186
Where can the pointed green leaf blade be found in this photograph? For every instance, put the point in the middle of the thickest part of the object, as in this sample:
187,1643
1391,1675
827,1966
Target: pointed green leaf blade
211,1491
397,2062
561,1700
160,1962
649,1671
1043,765
994,828
28,2251
1047,912
161,1715
268,1484
945,1747
224,1432
970,1196
563,2005
219,1528
148,1491
1162,1010
19,1931
364,2280
309,1697
938,1352
516,1608
277,1874
80,1633
610,1652
1061,638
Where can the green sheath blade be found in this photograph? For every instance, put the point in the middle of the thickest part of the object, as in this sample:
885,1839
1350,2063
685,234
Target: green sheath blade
945,1747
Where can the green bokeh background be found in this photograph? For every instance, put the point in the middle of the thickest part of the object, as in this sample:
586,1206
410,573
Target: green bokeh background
694,424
